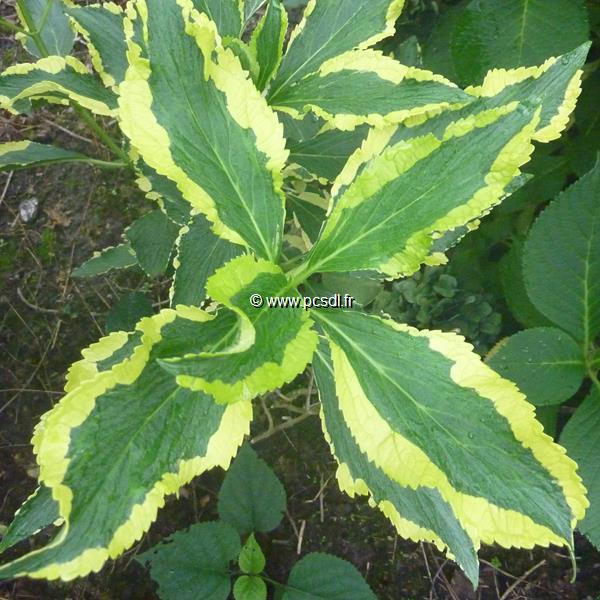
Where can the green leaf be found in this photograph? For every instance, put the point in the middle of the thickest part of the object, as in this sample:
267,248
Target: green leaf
116,257
418,514
57,80
548,417
562,260
101,25
49,19
513,33
245,54
309,208
131,308
581,438
199,254
328,29
195,563
39,511
165,192
556,84
250,588
513,286
21,155
545,363
152,238
427,412
387,217
251,499
252,560
548,178
251,7
300,131
156,437
215,138
267,41
363,287
320,576
584,150
367,87
437,51
325,154
226,14
267,349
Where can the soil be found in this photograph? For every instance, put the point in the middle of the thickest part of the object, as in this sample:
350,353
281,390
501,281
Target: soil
46,317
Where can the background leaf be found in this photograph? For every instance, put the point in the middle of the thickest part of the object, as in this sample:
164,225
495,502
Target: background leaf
320,576
545,363
252,559
152,238
199,254
195,563
562,260
481,35
128,311
50,20
39,511
115,257
250,588
251,497
581,438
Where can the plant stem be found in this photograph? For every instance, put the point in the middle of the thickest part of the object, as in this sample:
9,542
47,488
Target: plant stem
11,26
298,275
103,164
33,30
83,113
91,122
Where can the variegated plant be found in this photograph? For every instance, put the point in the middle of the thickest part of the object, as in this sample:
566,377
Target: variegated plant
404,163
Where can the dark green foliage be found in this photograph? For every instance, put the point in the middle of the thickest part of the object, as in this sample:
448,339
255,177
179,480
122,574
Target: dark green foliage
325,577
252,498
128,311
434,299
195,563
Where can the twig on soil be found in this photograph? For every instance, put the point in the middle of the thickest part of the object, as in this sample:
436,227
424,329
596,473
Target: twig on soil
6,186
432,591
521,579
314,410
267,414
300,538
52,311
292,523
69,132
29,391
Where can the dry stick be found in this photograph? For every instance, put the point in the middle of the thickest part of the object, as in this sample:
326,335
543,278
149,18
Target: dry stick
522,579
52,311
69,132
6,186
283,426
267,413
440,573
432,590
31,377
301,537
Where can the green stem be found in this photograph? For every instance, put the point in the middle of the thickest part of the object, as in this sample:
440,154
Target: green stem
103,164
11,26
83,113
33,30
45,16
88,118
298,275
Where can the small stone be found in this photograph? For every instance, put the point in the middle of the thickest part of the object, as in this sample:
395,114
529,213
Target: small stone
28,209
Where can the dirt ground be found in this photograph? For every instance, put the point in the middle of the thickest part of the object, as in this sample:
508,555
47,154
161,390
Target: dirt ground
47,317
